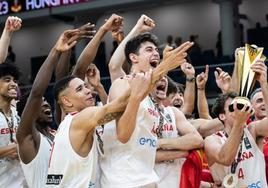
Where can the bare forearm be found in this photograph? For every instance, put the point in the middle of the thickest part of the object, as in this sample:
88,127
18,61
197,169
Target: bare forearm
202,104
102,94
186,142
166,155
127,122
88,54
264,88
118,58
6,151
209,127
44,74
4,44
235,81
62,68
229,149
189,98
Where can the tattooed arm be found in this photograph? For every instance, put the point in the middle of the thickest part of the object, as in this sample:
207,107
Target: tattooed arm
86,120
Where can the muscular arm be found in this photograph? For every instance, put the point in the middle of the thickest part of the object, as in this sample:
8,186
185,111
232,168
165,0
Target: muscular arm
202,104
260,128
189,97
190,138
88,54
8,150
62,69
27,135
162,155
91,49
223,154
102,93
118,58
207,127
130,114
12,24
140,86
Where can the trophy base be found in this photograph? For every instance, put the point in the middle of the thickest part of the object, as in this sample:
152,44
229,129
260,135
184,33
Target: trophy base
241,102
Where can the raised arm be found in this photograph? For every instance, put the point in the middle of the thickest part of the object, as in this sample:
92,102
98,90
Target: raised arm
202,104
62,68
118,58
139,85
89,53
225,154
260,128
12,24
27,135
93,78
172,58
223,80
190,138
189,93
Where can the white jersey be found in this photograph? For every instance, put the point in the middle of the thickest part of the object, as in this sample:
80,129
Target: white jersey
169,172
11,174
66,167
36,171
251,165
131,164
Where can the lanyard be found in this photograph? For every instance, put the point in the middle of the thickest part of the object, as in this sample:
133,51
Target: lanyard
161,119
236,161
10,124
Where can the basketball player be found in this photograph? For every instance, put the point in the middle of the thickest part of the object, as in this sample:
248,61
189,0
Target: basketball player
34,137
234,151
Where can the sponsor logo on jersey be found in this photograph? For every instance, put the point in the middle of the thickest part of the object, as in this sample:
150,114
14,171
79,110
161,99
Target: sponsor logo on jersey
255,185
54,179
151,142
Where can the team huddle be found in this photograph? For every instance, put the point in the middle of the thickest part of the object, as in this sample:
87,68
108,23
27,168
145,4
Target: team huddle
142,134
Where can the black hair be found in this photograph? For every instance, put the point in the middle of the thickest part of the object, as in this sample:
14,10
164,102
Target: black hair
9,69
180,88
133,45
172,86
218,106
61,84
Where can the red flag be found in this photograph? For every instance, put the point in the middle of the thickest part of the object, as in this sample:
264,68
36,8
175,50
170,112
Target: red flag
191,170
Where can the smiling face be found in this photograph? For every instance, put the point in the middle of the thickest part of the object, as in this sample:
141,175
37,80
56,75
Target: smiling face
8,87
76,96
45,116
177,100
258,106
146,58
160,91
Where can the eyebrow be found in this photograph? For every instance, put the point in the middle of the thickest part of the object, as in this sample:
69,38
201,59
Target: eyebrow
78,87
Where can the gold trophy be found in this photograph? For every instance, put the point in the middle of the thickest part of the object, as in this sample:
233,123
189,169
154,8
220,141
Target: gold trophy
246,77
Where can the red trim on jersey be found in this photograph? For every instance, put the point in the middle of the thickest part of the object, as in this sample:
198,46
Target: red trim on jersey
73,113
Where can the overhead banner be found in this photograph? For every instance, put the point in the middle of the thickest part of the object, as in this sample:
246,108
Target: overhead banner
17,6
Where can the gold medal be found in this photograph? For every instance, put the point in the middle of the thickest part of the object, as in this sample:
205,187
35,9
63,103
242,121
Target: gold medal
230,181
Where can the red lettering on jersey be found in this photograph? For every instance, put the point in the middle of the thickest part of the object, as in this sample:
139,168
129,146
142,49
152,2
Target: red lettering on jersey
7,130
250,154
167,127
152,112
240,173
245,155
